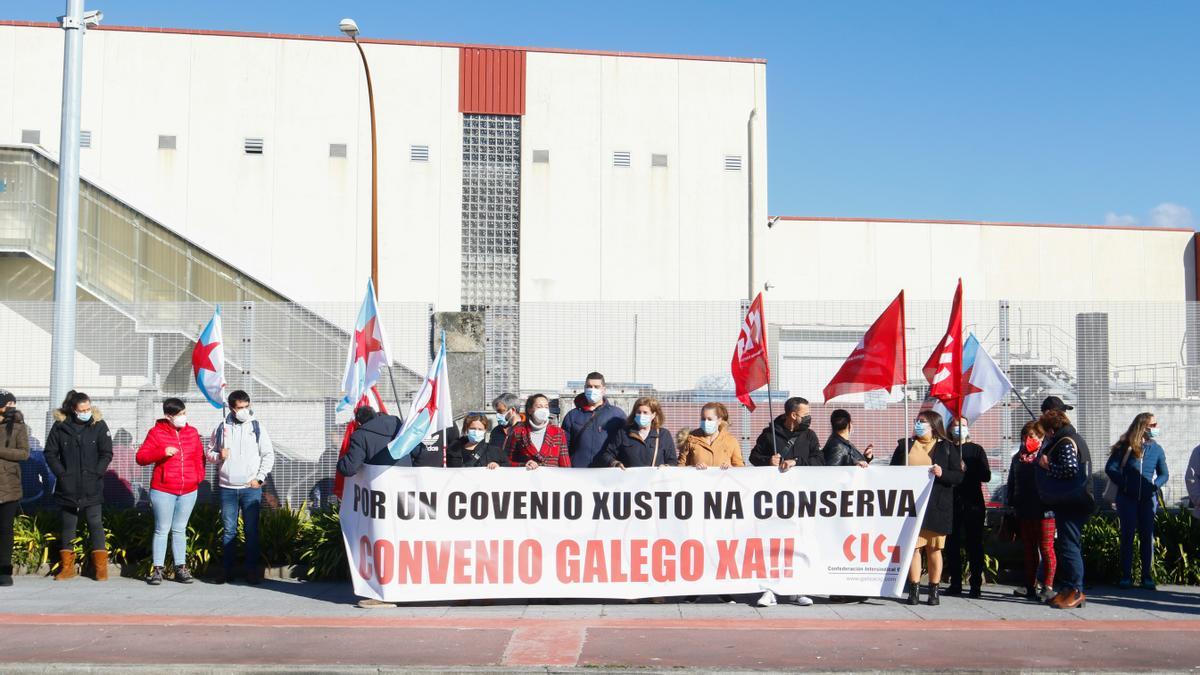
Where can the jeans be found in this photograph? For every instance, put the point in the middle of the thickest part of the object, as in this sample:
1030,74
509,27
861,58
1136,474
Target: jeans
1137,517
171,513
70,523
248,501
1070,550
8,513
967,532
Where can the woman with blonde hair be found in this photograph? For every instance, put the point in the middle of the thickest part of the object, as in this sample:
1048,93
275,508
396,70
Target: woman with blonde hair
711,444
644,441
1137,465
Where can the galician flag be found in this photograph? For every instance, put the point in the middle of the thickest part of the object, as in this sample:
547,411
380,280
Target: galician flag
430,411
367,354
984,384
208,361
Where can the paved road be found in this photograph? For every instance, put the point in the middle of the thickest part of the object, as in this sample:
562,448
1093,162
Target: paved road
295,625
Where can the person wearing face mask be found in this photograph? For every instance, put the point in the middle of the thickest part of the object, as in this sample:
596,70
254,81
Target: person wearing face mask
471,449
711,445
173,446
929,447
536,442
1064,481
507,416
1137,465
644,442
14,449
1035,522
592,423
838,450
243,453
788,441
970,511
79,450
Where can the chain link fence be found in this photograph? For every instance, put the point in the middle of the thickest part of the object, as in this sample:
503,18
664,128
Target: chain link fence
1111,360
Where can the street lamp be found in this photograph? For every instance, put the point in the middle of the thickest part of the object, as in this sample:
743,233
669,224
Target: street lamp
350,28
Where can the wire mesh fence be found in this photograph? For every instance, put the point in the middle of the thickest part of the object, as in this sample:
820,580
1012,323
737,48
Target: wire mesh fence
1112,360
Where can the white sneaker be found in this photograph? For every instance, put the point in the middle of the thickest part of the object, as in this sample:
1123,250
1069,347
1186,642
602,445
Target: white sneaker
767,599
802,600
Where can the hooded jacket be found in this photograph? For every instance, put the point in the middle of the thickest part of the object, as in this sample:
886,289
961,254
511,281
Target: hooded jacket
251,456
800,445
723,448
14,449
79,453
181,473
369,445
587,438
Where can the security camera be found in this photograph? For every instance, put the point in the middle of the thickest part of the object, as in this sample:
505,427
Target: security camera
772,220
93,18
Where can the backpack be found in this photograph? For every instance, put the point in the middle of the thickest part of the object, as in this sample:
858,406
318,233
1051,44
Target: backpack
219,440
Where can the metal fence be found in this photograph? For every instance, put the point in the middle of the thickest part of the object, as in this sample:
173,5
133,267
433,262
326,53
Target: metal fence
1112,360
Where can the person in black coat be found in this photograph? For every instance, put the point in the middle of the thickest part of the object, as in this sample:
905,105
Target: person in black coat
471,449
838,450
970,512
929,447
788,441
78,451
431,452
1065,463
643,442
1035,522
369,442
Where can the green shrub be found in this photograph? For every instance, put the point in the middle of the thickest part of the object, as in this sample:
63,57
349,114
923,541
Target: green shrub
322,553
278,532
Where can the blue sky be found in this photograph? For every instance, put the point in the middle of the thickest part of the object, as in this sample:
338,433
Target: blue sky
1065,111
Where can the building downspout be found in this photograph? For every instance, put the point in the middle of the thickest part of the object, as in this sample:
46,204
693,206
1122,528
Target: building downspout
751,215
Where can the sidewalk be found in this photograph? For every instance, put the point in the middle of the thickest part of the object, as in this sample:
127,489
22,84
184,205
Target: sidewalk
294,624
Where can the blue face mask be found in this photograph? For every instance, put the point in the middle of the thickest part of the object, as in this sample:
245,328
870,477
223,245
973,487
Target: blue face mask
501,420
643,419
475,435
594,395
84,416
1153,432
920,429
958,432
709,427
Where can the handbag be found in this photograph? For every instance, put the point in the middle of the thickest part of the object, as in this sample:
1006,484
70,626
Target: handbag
1065,493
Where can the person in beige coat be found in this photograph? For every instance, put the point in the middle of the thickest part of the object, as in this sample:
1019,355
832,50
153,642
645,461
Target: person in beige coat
14,449
711,445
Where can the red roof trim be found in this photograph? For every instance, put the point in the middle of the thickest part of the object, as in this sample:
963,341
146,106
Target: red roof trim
984,222
406,43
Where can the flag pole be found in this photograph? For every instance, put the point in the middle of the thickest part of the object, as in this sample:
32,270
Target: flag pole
771,422
396,396
1024,404
903,427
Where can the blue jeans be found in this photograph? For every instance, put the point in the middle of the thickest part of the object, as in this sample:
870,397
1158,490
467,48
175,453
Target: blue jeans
1136,516
171,513
1069,550
248,501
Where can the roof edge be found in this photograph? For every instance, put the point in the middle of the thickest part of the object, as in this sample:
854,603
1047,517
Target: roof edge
379,41
1070,226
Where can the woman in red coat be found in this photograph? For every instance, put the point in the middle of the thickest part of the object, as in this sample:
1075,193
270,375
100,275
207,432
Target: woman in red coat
174,448
535,442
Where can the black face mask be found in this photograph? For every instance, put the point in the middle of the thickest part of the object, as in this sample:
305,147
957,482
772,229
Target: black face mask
804,422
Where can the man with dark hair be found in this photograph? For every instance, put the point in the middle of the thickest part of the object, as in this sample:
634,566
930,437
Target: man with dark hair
592,422
244,456
788,442
838,450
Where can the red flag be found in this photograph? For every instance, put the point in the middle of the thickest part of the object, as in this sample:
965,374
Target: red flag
750,367
944,367
373,399
878,360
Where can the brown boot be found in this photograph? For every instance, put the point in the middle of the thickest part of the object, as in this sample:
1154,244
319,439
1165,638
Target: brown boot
66,566
100,562
1074,600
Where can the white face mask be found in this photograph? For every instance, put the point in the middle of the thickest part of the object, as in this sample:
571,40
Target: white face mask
541,415
242,415
709,427
180,421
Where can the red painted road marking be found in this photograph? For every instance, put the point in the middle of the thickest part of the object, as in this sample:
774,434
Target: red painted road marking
545,645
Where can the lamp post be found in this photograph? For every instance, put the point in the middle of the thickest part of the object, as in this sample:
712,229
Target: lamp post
350,28
66,231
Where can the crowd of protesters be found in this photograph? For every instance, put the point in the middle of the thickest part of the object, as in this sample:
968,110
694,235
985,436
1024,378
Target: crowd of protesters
1049,489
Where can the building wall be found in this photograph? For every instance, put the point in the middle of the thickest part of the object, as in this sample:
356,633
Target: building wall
299,220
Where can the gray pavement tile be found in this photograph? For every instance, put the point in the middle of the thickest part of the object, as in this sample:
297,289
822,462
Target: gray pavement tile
582,611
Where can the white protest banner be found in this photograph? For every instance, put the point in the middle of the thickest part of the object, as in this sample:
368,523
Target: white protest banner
450,534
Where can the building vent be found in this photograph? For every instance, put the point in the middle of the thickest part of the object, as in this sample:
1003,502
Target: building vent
31,136
253,146
541,156
733,162
621,158
419,153
166,142
85,139
658,160
337,149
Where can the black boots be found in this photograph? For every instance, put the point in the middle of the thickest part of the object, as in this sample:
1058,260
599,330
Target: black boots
934,600
914,591
6,575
